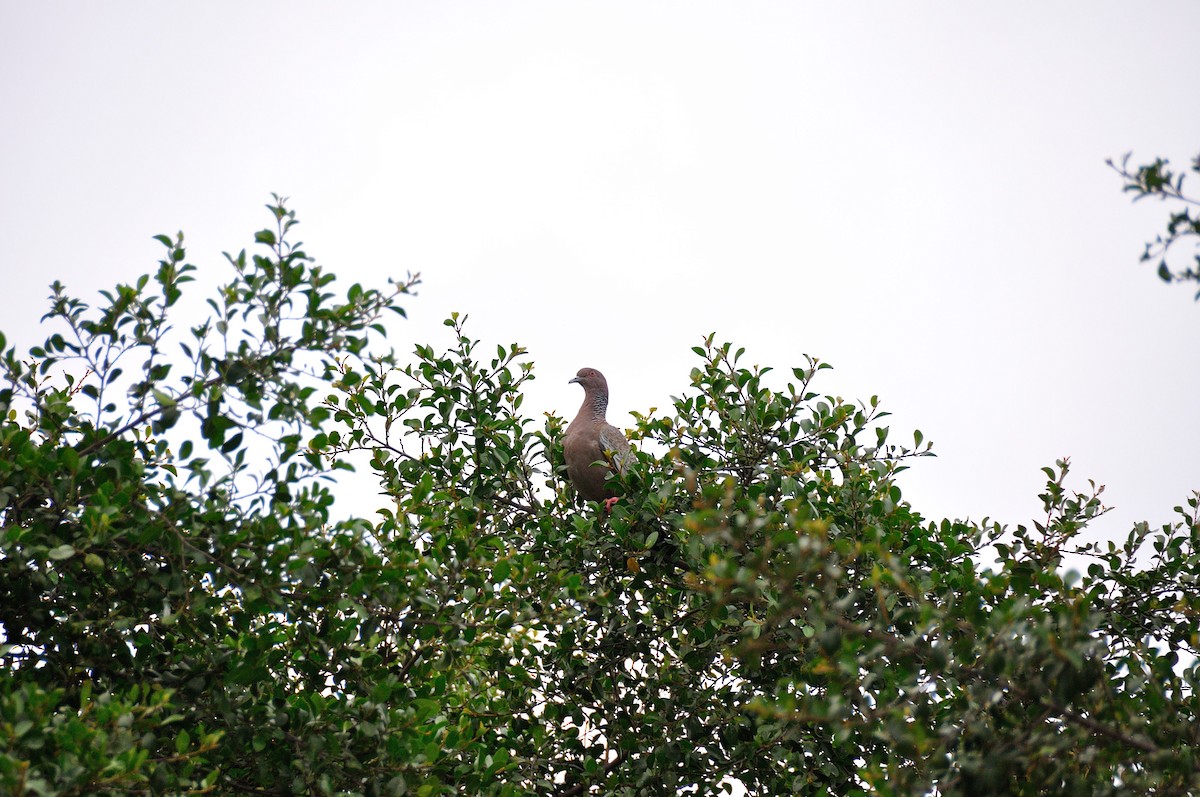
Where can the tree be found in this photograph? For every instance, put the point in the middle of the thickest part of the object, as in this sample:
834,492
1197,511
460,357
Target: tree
184,612
1158,180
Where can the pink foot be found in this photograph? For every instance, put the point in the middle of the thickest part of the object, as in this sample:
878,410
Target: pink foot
608,504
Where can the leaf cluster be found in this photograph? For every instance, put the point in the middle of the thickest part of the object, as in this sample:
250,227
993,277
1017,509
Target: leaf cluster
1159,180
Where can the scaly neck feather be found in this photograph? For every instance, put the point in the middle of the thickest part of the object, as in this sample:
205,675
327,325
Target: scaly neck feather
597,401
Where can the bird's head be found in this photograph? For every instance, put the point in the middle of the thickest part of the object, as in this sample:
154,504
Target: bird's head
591,379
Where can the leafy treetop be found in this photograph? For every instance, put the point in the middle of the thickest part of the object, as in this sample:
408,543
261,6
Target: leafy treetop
182,612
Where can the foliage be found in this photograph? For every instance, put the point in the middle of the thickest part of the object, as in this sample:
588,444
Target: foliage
1157,179
183,612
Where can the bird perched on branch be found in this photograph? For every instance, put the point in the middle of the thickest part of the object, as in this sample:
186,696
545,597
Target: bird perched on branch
592,447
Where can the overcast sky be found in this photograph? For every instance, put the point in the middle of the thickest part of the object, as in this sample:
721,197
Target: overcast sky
913,192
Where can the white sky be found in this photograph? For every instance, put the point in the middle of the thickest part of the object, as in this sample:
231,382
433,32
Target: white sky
914,192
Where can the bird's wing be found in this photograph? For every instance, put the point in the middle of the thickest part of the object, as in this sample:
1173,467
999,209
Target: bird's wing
612,439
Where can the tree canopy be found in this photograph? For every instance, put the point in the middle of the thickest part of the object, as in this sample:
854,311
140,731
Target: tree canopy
187,609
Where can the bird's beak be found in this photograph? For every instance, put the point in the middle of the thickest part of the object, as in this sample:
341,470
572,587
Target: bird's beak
573,379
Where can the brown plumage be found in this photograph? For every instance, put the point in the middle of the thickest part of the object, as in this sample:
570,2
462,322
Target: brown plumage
591,445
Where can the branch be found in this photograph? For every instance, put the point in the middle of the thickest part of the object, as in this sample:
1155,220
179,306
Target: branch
1104,730
584,785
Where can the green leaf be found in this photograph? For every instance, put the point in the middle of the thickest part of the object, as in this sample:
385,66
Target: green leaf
62,552
501,571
